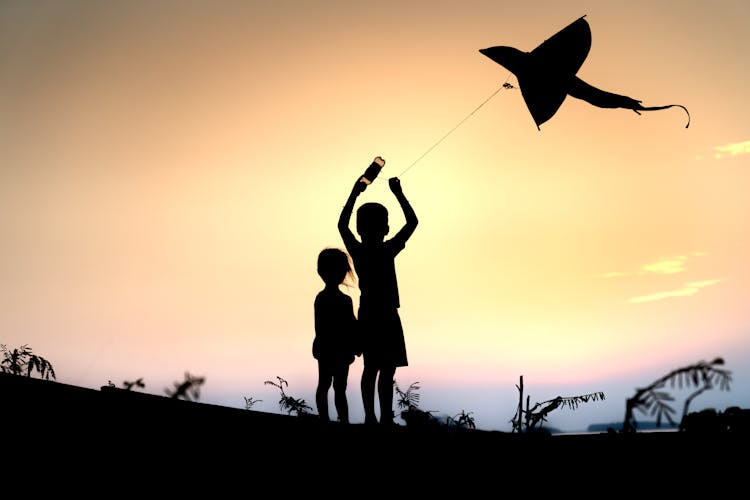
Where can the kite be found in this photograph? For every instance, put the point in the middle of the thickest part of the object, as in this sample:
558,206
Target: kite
547,74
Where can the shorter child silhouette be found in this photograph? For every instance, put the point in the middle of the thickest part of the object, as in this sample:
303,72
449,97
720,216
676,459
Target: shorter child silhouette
335,333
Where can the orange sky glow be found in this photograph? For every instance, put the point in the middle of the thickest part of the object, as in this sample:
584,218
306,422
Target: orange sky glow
171,170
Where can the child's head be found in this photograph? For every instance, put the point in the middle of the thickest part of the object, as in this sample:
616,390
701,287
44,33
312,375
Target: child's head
372,221
333,266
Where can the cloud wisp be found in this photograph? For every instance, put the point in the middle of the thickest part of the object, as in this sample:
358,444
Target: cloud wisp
731,150
687,290
664,266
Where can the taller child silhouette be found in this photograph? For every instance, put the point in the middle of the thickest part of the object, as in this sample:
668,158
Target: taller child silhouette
382,336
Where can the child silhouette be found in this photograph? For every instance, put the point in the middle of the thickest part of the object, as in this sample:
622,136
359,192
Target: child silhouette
335,333
382,336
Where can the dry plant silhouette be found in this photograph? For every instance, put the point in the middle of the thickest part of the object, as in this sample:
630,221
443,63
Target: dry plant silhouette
530,419
22,360
189,389
288,403
652,399
250,402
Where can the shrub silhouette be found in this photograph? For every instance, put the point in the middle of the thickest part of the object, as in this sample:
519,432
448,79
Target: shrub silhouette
462,420
408,402
189,389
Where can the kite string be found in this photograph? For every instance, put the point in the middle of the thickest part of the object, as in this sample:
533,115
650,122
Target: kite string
503,86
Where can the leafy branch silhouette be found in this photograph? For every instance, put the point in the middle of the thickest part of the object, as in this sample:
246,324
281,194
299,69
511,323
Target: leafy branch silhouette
23,359
288,403
653,400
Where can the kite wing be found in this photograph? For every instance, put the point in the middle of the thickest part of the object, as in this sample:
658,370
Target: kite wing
547,74
544,74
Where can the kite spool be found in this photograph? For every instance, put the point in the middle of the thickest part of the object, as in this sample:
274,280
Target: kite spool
372,171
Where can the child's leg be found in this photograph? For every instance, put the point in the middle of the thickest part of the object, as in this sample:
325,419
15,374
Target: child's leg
339,393
367,385
385,394
321,393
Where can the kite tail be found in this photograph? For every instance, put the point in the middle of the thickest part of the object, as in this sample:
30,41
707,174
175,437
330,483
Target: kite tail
656,108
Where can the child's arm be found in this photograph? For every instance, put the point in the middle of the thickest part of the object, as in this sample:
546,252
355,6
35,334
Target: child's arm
346,213
359,187
411,218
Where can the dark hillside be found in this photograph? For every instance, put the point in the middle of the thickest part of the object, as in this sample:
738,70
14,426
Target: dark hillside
113,432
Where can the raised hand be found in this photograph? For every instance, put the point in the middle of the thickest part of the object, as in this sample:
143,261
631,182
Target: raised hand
395,184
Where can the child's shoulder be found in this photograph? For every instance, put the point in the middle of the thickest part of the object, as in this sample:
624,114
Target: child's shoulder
332,294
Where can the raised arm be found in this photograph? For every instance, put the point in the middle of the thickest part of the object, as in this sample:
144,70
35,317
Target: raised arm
411,218
359,186
346,213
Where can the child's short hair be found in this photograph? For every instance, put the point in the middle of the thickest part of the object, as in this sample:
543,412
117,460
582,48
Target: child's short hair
333,266
372,218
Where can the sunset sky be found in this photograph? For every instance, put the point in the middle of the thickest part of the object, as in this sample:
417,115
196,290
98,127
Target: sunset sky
170,170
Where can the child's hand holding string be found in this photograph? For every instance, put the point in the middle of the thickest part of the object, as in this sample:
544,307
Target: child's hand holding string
395,184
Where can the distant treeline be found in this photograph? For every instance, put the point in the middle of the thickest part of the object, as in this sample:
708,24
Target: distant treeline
642,426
